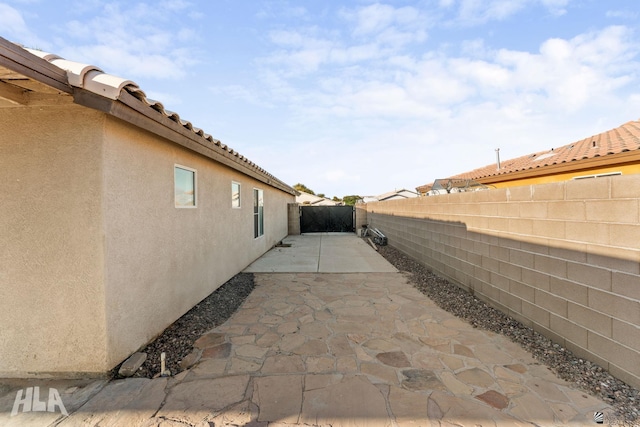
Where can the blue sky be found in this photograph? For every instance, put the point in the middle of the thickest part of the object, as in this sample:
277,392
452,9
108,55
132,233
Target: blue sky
362,97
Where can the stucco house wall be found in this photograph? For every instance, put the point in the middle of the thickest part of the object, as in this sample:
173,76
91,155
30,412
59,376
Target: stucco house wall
95,257
100,259
51,241
161,260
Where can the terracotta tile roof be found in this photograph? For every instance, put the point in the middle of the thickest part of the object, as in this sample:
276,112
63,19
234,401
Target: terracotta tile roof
621,139
424,188
93,79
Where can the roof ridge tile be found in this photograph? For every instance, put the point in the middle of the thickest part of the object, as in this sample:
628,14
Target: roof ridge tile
94,79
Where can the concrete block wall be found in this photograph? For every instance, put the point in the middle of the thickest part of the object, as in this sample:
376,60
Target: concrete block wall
361,216
563,258
293,219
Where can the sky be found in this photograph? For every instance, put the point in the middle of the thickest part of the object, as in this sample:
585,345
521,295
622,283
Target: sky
356,96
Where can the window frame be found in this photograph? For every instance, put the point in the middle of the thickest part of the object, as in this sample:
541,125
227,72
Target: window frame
258,213
233,201
177,166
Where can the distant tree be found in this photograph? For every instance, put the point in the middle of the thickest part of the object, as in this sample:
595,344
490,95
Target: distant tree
335,199
320,195
350,200
302,187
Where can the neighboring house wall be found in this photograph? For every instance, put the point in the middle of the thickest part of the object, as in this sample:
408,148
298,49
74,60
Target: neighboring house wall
558,174
563,258
96,259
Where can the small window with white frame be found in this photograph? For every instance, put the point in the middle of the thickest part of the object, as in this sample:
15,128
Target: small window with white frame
184,179
235,195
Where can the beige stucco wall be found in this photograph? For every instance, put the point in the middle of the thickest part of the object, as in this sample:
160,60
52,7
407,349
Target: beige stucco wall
96,260
51,251
563,258
161,260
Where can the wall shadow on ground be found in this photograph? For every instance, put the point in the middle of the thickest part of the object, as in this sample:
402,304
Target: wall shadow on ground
587,302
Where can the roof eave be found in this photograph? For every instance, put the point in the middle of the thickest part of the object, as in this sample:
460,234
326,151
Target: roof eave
131,110
19,60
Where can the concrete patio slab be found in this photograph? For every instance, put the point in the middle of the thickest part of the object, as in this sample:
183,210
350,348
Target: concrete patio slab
322,253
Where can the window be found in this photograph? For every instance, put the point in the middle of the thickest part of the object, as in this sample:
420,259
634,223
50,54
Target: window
185,187
235,195
258,213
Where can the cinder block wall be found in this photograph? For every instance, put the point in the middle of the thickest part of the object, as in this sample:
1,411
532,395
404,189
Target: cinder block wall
361,216
293,219
563,258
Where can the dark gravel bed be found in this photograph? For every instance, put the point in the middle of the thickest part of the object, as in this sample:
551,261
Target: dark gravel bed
177,340
586,375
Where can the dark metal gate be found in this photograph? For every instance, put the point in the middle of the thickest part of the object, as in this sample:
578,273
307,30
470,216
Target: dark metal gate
324,219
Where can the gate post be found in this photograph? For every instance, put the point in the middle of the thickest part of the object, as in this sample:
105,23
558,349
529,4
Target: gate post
293,215
361,215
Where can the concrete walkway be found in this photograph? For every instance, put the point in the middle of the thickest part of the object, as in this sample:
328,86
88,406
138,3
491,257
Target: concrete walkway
322,253
339,349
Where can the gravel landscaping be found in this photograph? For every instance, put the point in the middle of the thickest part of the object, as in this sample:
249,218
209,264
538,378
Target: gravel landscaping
586,375
177,340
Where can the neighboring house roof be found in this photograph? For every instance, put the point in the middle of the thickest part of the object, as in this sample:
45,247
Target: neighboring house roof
311,199
605,146
397,194
423,189
28,75
390,195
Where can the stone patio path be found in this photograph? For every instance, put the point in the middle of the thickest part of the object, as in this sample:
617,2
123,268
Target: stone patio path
363,349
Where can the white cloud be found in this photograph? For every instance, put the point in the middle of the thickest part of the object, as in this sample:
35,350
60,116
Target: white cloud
477,11
379,31
431,115
388,25
573,73
474,12
132,41
622,13
564,77
175,5
15,28
556,7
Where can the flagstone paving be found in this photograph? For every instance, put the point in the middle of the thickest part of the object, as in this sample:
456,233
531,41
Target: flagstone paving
361,349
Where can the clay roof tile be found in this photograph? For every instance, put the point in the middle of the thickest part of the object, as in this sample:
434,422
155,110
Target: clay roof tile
621,139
